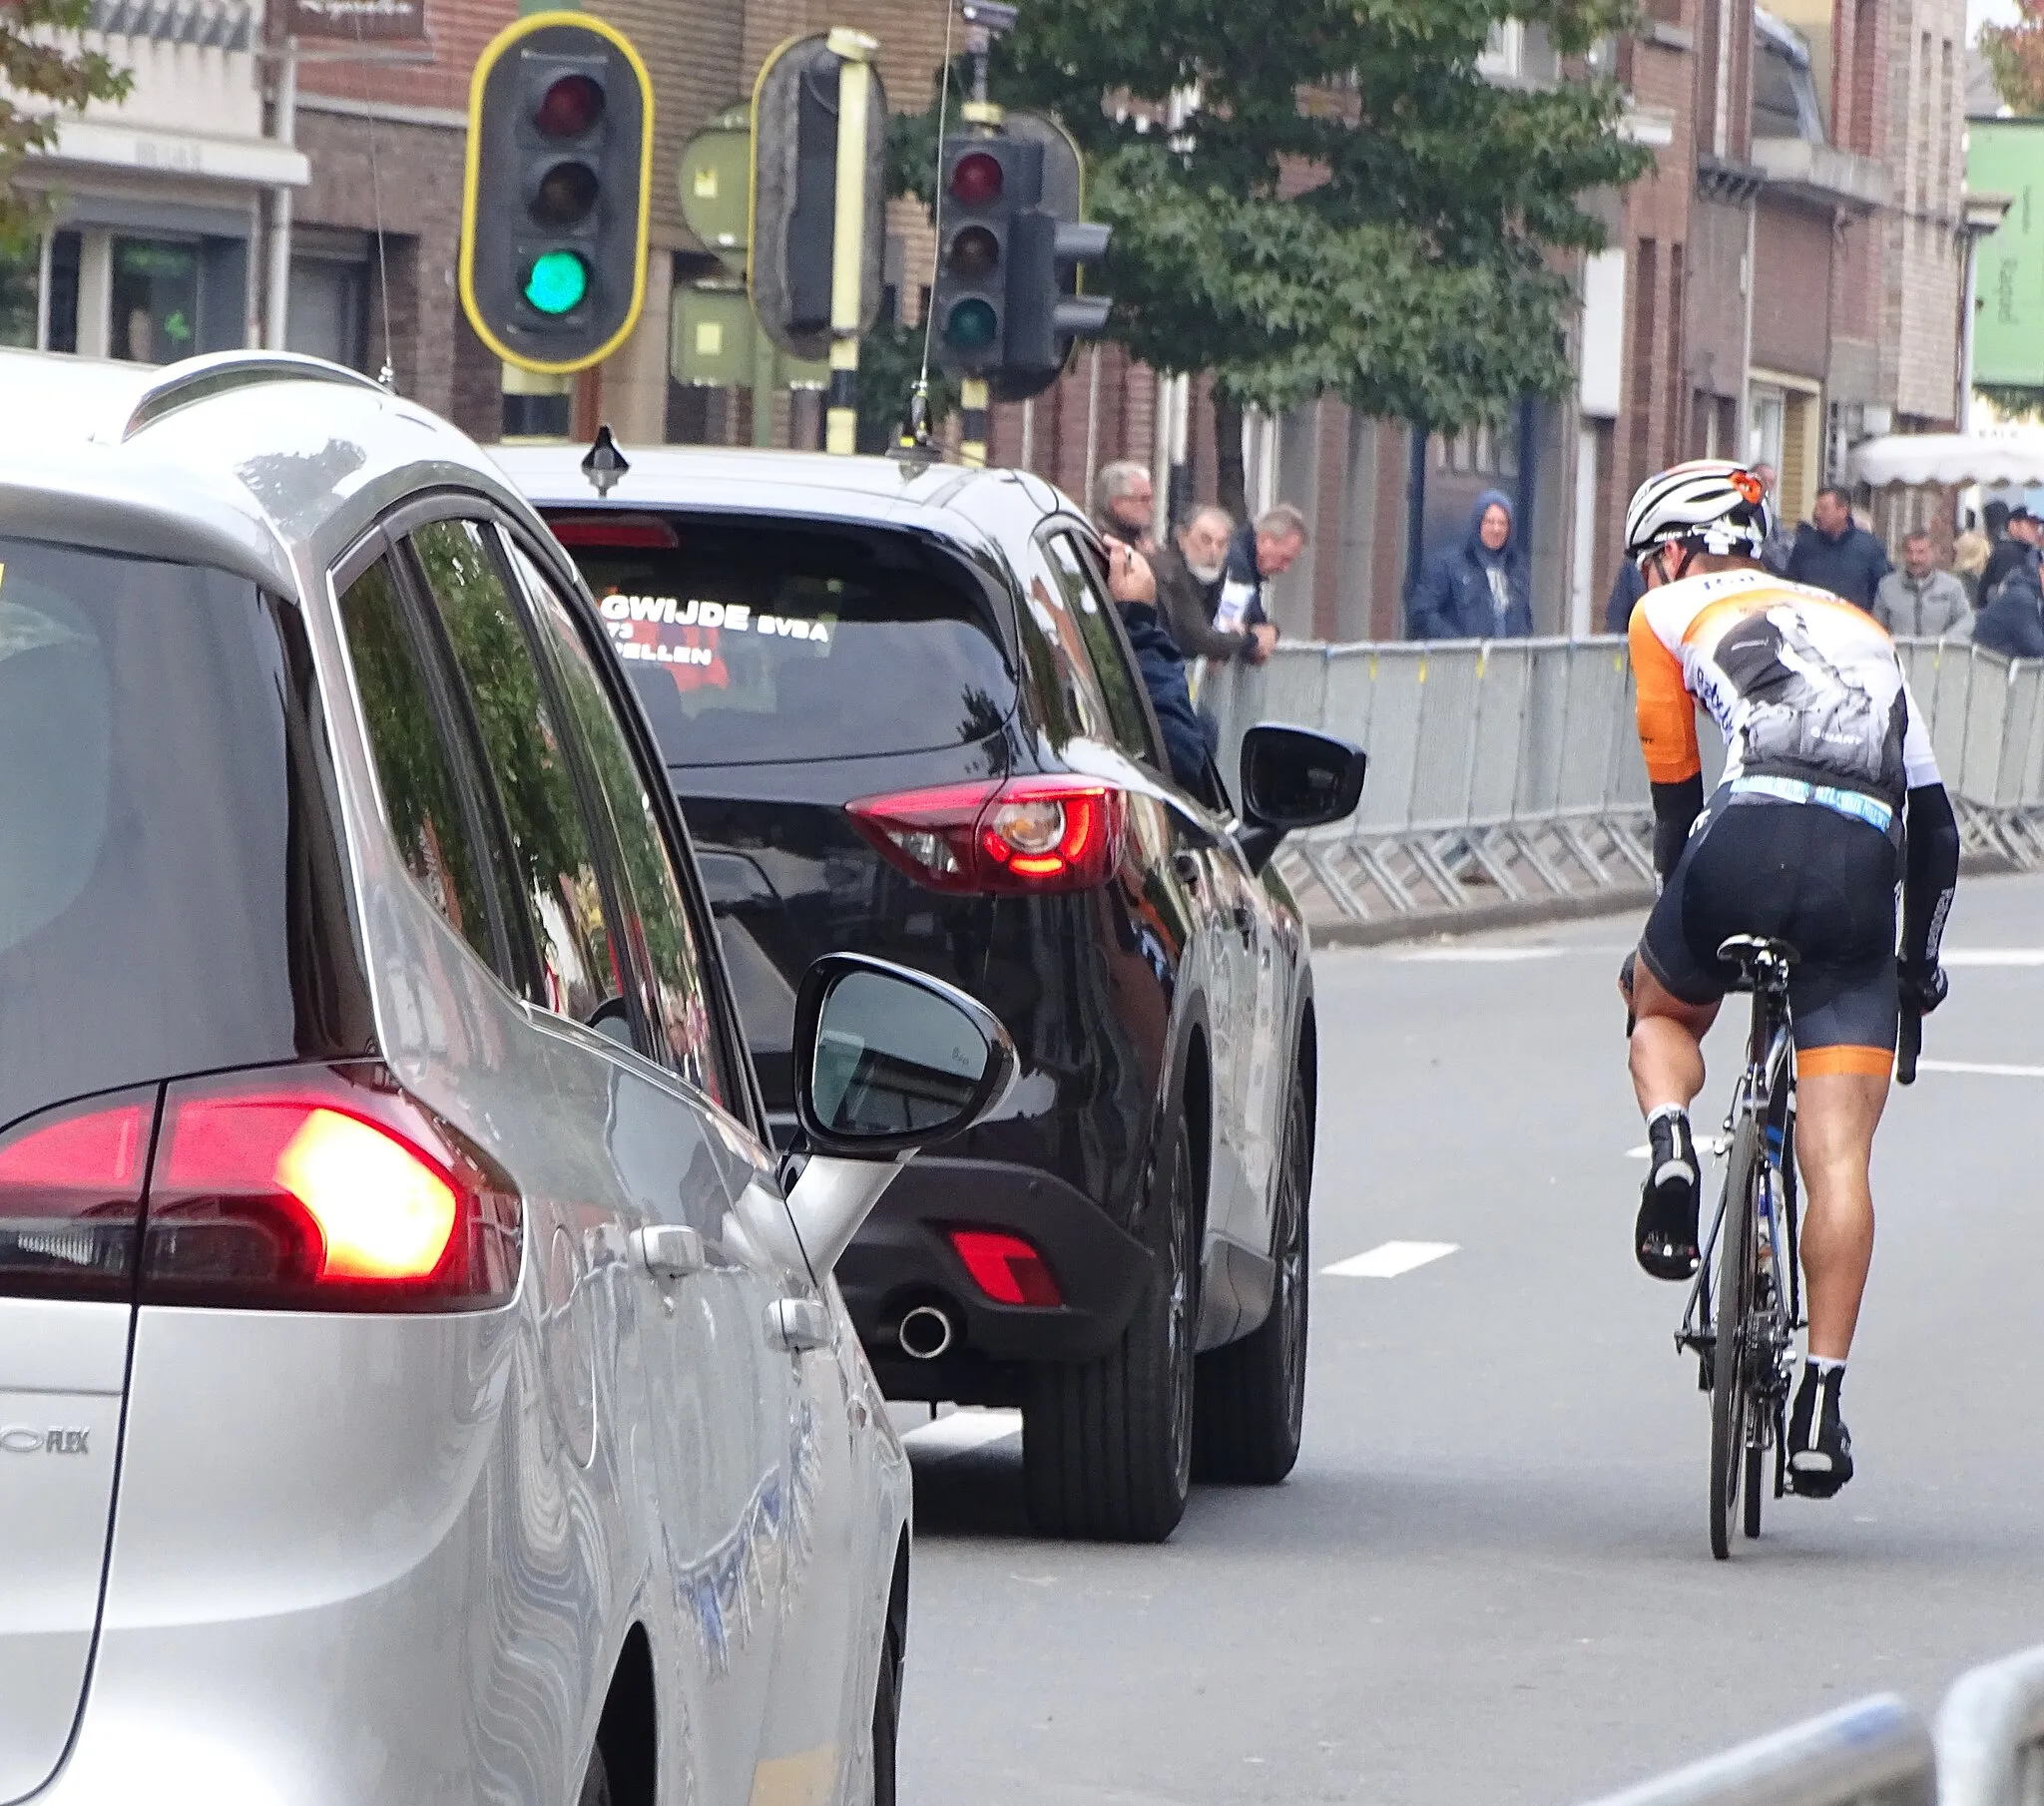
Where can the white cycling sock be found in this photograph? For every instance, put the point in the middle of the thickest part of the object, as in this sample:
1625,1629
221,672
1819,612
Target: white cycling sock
1822,1368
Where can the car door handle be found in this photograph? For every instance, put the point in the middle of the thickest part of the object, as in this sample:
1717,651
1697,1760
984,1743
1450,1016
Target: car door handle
796,1324
1186,865
668,1250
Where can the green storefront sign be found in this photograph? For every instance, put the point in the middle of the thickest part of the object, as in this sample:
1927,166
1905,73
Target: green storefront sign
2006,157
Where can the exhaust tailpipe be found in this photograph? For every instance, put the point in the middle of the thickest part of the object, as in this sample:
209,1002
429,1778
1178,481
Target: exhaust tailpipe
925,1332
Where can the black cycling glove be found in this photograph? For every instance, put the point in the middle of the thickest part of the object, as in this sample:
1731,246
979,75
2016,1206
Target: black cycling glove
1924,991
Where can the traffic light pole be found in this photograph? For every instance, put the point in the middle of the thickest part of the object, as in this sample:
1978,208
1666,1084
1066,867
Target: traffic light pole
848,268
538,406
973,401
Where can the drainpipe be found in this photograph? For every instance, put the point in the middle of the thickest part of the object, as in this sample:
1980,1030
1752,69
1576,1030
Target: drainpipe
277,297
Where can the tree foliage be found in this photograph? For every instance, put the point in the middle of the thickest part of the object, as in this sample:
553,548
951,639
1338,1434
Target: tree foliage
2015,53
1349,207
40,81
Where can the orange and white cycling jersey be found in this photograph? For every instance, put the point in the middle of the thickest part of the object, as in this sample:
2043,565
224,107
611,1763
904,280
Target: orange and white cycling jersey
1799,682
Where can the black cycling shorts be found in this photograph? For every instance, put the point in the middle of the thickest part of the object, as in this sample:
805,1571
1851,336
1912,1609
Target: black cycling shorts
1797,872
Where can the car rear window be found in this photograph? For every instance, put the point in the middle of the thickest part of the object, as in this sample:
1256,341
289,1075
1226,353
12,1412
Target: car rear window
755,641
171,886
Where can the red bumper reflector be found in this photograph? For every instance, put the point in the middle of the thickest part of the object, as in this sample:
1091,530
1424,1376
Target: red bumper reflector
1007,1268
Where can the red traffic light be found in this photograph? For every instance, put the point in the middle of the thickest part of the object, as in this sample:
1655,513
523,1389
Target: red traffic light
976,179
570,107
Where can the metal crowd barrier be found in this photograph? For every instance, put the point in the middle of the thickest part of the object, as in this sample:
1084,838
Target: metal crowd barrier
1508,773
1874,1754
1987,1751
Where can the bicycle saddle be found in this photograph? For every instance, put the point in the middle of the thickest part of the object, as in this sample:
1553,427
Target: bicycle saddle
1756,956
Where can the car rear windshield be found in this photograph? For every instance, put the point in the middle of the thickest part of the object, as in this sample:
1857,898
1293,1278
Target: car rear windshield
755,641
171,883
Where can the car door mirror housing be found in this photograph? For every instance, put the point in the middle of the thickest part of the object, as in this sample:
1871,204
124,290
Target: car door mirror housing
888,1060
1292,777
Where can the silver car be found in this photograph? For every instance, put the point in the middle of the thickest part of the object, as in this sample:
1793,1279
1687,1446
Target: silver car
415,1383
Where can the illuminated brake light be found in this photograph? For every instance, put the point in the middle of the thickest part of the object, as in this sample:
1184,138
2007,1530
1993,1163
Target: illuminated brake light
323,1189
1028,836
71,1199
1008,1270
383,1211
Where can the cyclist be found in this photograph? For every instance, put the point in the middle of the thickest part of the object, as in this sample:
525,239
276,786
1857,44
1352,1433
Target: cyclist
1826,761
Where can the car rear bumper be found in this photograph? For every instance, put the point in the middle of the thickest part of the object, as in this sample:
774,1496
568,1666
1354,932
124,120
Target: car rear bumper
904,1258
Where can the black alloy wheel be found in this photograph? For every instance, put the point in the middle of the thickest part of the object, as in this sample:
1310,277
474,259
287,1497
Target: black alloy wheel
1250,1407
1106,1444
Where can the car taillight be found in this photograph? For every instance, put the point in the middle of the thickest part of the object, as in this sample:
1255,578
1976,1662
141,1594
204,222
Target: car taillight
323,1189
1007,1268
71,1199
1026,836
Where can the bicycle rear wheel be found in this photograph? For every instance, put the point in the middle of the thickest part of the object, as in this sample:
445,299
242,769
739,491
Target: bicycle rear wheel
1731,1400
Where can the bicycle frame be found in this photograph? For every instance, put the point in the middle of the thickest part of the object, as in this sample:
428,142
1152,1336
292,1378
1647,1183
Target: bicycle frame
1764,1096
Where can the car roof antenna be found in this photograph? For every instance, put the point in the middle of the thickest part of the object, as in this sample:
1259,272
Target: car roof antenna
605,464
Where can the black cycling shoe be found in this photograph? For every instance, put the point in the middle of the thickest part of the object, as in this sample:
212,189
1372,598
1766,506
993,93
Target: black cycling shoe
1819,1445
1664,1232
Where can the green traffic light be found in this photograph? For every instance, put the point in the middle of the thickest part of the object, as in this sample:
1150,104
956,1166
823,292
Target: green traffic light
556,282
971,325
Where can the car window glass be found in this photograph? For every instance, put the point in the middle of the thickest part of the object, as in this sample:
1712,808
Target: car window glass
1089,605
174,891
528,762
657,918
752,642
414,770
1057,652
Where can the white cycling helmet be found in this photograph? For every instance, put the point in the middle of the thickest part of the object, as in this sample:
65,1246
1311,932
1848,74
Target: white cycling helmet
1716,505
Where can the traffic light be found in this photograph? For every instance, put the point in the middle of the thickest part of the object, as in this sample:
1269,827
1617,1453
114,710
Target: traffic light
1045,310
1006,304
558,180
987,183
800,125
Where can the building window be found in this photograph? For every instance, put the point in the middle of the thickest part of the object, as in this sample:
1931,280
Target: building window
156,299
20,283
66,250
328,315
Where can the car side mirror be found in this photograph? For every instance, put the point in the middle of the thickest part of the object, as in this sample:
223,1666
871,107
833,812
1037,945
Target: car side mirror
1292,777
888,1060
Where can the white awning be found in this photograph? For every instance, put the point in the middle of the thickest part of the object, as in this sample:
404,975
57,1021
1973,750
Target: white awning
2013,459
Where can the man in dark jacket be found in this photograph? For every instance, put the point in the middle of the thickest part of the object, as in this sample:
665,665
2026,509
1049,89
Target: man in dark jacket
1189,741
1191,568
1480,589
1267,547
1626,589
2011,617
1833,554
2014,548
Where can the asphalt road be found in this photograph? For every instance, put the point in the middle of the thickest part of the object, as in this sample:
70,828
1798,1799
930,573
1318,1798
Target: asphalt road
1488,1580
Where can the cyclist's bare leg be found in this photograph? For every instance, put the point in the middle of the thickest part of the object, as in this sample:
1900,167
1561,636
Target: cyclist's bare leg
1666,1055
1835,1117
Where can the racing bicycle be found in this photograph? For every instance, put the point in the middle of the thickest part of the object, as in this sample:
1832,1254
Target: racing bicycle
1743,1333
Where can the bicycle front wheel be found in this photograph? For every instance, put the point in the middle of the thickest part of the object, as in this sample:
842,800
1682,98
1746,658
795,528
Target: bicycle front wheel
1731,1401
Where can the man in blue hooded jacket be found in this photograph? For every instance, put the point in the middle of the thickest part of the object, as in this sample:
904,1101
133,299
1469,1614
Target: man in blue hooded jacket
1479,590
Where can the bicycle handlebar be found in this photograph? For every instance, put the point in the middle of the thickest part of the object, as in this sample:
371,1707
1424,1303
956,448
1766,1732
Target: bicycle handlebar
1909,1045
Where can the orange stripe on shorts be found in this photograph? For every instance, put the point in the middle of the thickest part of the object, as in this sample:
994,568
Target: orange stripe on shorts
1870,1062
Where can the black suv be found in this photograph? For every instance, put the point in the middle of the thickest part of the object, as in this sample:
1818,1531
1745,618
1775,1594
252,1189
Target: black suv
901,715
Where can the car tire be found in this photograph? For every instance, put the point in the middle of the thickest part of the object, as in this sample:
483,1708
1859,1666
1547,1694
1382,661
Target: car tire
1250,1402
596,1781
887,1718
1106,1444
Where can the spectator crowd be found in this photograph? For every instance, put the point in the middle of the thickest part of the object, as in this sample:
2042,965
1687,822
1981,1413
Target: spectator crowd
1992,593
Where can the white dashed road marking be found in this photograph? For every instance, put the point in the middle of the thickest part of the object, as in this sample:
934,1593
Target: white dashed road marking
960,1432
1389,1259
1985,1068
1475,956
1993,956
